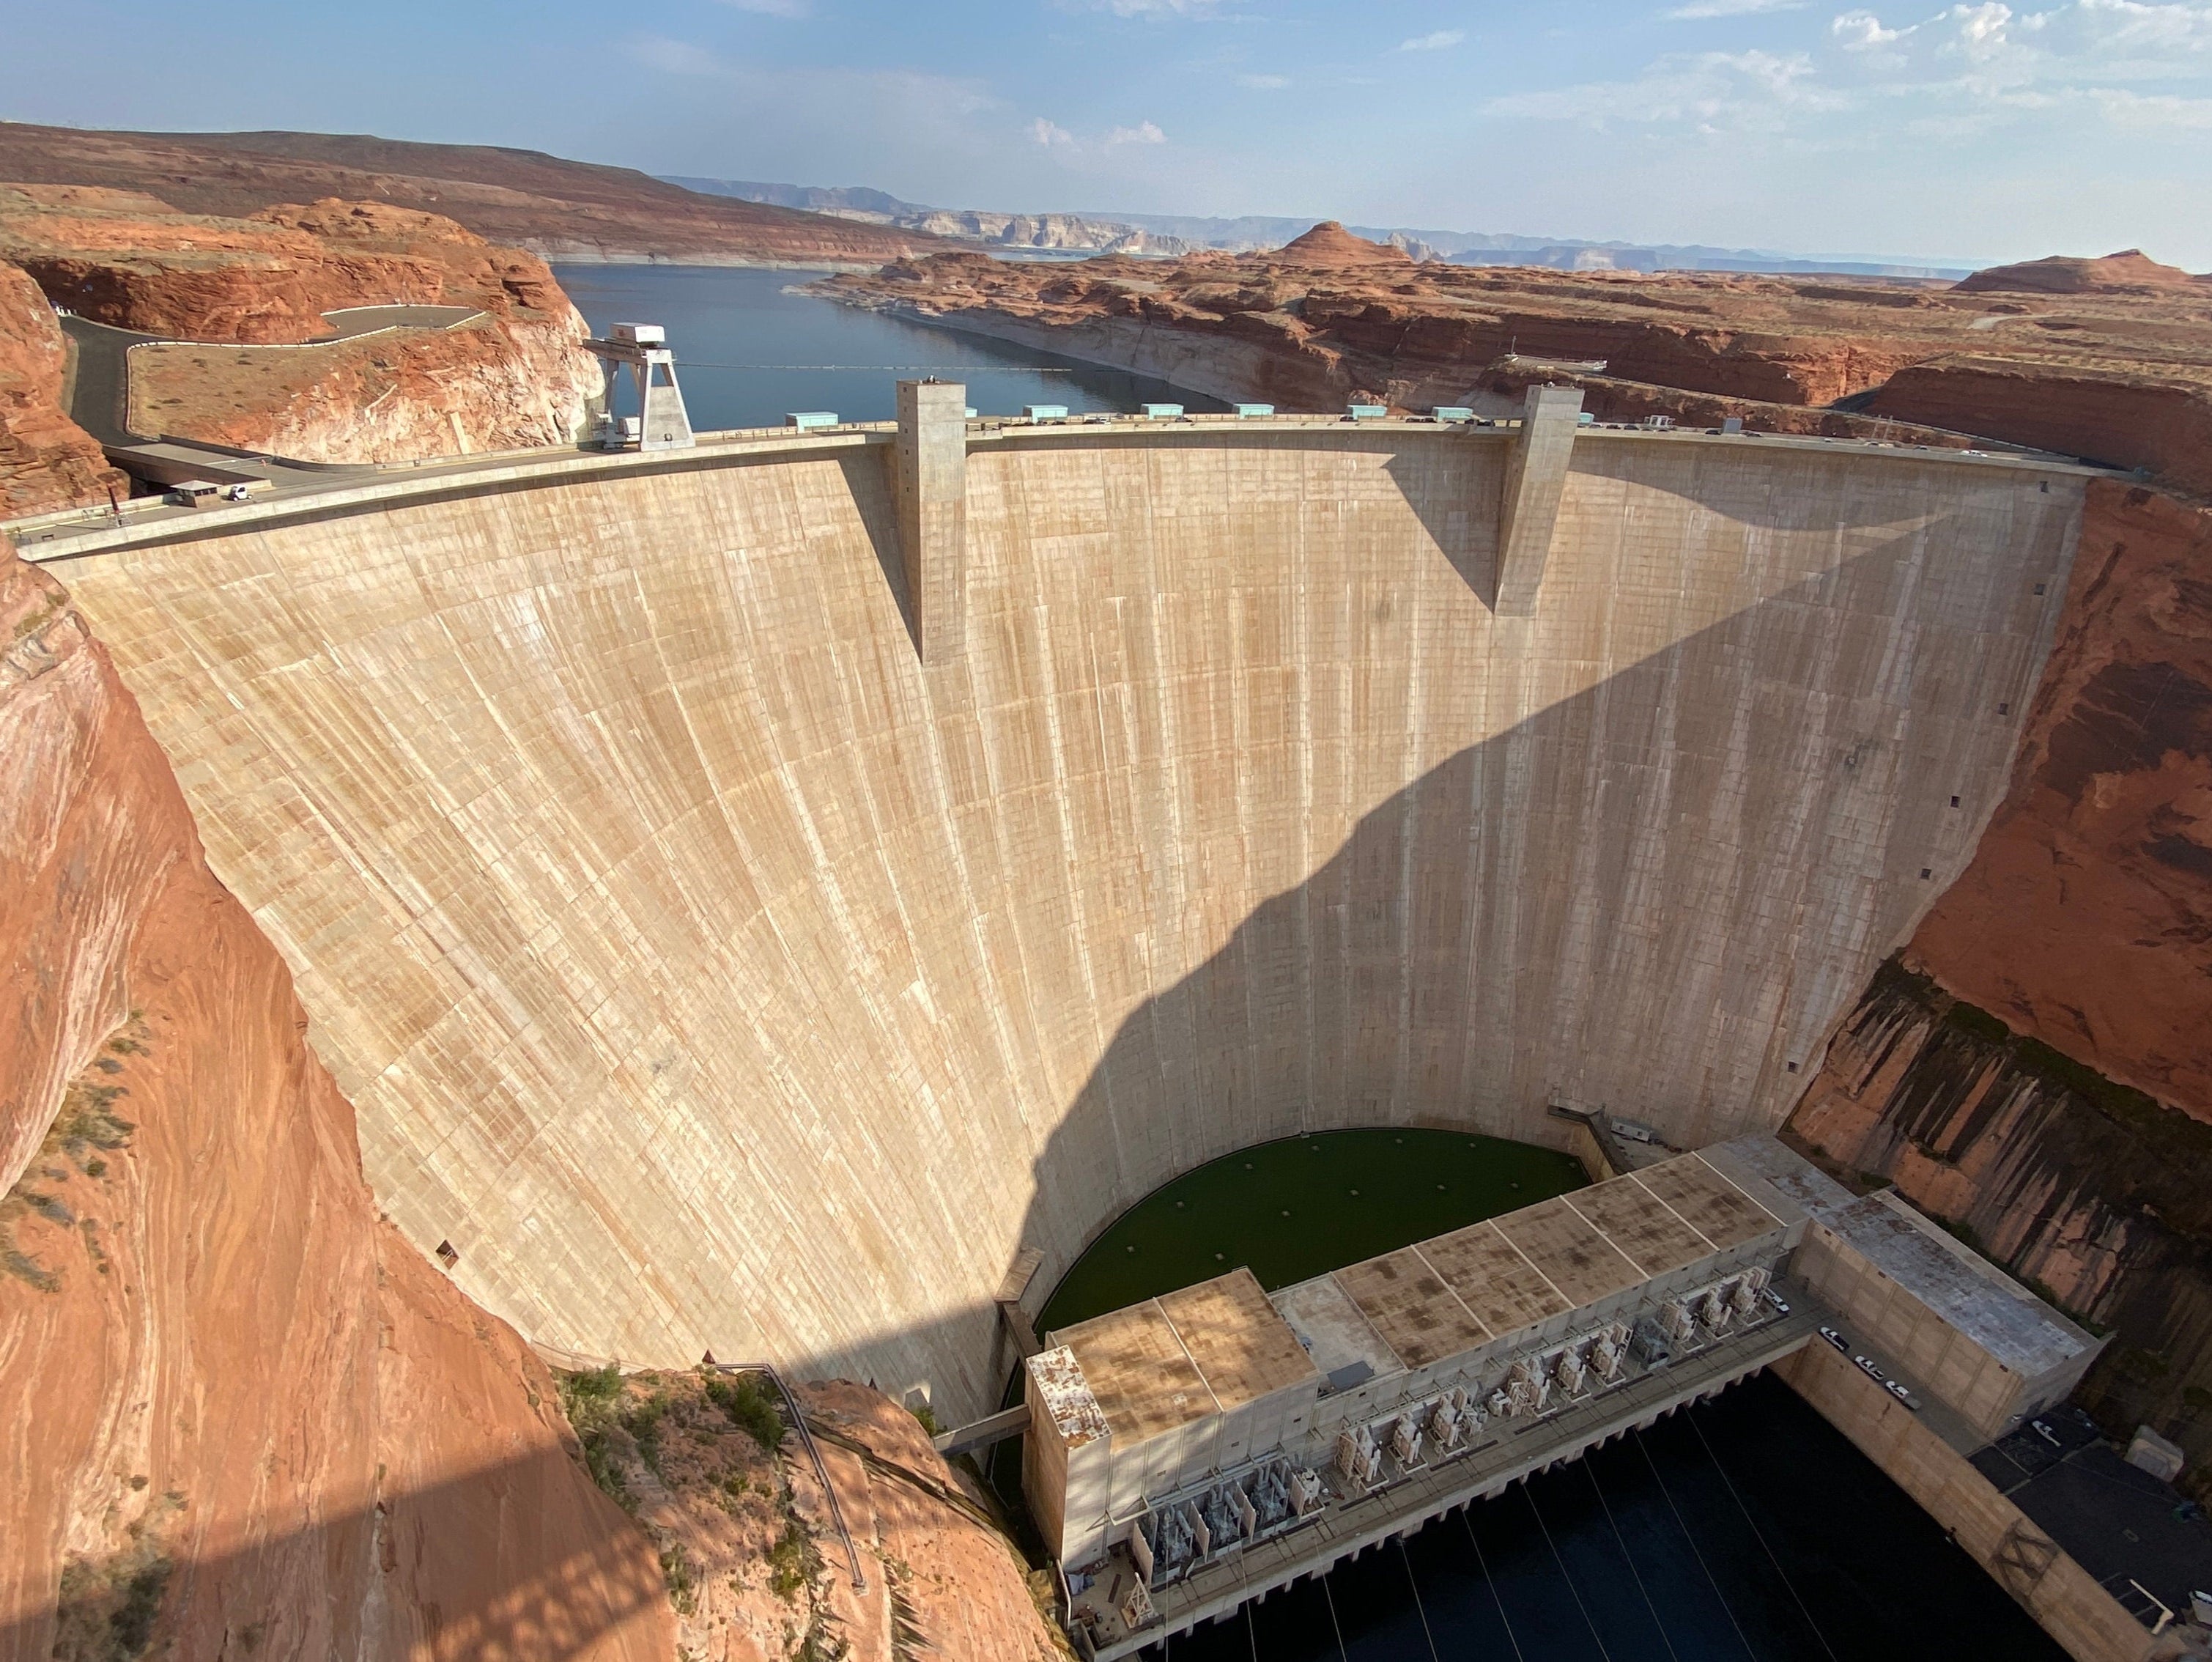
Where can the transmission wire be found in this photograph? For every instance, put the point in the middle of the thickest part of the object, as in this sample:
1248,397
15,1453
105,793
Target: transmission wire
1760,1537
1727,1609
1591,1471
1596,1638
1488,1580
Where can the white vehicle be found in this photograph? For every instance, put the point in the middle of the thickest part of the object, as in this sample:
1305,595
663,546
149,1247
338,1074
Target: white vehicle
1866,1366
1781,1304
1836,1339
1901,1394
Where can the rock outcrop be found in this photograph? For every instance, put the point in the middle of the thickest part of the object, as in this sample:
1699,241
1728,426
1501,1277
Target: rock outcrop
500,368
2130,271
2109,363
2085,918
237,1412
2090,1192
2155,416
1329,247
757,1565
46,460
558,209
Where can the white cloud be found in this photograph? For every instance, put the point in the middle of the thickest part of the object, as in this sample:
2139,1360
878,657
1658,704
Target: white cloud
1264,82
1862,31
1701,9
774,8
1143,133
1050,133
1437,42
657,51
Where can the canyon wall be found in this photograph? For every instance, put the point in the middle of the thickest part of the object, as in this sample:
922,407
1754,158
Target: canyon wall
241,1413
2127,415
257,367
46,460
2039,1072
2085,919
710,974
2088,1191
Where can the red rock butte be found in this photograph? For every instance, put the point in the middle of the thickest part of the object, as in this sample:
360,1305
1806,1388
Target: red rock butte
1328,244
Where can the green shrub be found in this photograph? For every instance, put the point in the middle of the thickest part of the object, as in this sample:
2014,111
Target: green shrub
751,1406
683,1585
791,1561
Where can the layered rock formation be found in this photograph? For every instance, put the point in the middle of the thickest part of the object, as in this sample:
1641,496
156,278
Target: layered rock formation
241,1414
2110,359
2091,1193
558,209
46,460
2130,271
504,369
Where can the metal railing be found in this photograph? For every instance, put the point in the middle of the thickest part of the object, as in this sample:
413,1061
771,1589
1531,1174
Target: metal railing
814,1453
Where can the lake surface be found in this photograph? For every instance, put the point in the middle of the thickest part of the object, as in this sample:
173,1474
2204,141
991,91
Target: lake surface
748,352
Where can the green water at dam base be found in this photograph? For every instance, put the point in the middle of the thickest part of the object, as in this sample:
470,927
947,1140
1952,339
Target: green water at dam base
1300,1207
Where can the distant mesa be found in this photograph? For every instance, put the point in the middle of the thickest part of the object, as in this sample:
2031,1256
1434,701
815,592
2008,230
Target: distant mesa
1328,244
2130,271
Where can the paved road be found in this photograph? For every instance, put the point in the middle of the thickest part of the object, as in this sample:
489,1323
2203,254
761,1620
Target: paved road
99,391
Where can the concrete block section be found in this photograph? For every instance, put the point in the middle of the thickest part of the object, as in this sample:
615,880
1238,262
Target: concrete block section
930,489
1535,478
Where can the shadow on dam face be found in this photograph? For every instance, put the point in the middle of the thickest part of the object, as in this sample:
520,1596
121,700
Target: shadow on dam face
715,976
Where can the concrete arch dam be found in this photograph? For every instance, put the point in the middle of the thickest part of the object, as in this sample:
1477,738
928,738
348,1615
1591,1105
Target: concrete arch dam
712,968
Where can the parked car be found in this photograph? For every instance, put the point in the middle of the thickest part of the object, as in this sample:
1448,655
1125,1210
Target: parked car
1837,1340
1781,1304
1867,1368
1901,1394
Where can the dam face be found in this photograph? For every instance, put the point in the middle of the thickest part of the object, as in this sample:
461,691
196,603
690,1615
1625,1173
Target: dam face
711,974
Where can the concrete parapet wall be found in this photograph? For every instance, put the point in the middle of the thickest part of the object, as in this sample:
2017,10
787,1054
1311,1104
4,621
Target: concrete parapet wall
1999,1538
712,975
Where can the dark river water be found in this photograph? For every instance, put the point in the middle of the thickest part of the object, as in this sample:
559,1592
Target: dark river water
748,352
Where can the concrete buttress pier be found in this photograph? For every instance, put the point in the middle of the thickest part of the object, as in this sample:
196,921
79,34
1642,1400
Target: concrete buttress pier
1528,507
930,466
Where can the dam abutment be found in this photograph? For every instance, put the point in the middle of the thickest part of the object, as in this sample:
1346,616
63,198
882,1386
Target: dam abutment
716,965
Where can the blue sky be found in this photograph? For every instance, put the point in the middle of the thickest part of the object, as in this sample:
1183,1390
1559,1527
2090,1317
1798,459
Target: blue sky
1981,132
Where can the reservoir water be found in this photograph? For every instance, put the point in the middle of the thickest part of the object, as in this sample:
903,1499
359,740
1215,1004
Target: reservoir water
749,352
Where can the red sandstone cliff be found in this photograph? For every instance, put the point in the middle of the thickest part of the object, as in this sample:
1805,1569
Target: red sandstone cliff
512,376
46,460
2110,359
238,1414
758,1569
2085,919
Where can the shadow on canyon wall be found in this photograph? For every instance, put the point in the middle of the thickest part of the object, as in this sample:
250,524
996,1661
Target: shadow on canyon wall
424,1556
2091,1193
